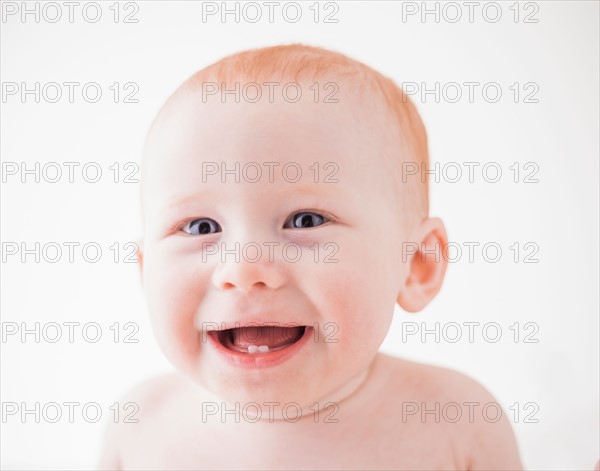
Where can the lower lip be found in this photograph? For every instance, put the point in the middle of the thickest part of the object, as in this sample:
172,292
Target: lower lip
260,360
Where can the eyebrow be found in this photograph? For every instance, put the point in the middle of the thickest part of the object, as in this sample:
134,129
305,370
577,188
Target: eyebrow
322,190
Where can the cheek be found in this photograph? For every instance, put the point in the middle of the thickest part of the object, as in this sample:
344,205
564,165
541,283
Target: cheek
356,297
174,289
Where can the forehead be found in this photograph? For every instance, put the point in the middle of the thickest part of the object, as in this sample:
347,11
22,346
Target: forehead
199,142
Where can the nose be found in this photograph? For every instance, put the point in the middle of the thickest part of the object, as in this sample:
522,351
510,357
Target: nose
244,270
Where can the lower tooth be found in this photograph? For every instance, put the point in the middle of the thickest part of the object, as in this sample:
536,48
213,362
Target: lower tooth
260,349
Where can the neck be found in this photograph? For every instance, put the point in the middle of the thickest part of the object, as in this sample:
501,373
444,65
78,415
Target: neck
341,401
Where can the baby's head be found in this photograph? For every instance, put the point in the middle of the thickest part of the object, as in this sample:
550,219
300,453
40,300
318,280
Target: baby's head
273,195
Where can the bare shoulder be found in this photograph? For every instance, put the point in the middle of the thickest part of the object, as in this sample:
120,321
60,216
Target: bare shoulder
431,381
138,407
483,427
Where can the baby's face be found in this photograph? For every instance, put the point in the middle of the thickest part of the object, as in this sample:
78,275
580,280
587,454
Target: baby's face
226,248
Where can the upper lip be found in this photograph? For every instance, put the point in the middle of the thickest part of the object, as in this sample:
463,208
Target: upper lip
217,325
252,312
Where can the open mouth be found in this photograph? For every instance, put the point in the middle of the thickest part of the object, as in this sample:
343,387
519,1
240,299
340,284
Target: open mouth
259,340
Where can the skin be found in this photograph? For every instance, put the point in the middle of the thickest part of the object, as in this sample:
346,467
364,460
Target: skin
366,217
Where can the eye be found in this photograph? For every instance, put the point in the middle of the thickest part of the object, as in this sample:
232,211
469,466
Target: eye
201,226
305,219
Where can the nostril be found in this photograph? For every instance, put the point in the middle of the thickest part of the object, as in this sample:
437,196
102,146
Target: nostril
246,277
245,287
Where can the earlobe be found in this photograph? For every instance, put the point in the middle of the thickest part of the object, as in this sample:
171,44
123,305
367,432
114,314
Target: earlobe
427,266
140,258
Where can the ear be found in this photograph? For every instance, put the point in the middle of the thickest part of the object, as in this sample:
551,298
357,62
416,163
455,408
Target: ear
140,258
427,265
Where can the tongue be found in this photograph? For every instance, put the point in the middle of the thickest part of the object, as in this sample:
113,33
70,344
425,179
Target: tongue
270,336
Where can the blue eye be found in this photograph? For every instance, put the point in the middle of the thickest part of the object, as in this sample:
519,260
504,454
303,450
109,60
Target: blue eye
201,226
306,219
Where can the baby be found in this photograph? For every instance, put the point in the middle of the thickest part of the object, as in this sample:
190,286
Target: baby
279,233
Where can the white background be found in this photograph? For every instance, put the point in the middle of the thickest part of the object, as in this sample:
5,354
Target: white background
559,213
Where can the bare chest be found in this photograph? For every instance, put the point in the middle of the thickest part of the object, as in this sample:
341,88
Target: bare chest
379,441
